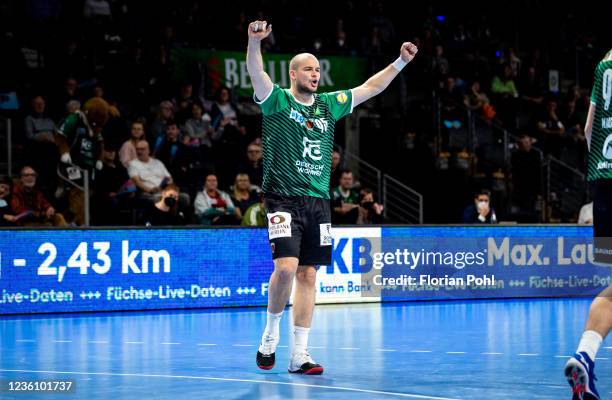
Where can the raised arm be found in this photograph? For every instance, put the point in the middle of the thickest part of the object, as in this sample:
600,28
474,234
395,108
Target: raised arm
262,84
379,81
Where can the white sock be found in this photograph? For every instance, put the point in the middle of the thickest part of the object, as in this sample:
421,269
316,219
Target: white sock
589,343
272,324
300,339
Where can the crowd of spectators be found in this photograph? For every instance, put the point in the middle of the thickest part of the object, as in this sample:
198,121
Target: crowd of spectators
93,83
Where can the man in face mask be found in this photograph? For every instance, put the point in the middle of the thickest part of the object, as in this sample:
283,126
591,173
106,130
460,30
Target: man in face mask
481,211
165,212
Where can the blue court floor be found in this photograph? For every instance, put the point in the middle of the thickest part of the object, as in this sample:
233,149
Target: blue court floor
443,350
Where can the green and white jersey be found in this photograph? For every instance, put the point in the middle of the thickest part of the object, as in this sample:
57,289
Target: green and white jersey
600,154
298,141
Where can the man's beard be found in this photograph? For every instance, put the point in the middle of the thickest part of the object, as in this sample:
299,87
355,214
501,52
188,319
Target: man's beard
305,89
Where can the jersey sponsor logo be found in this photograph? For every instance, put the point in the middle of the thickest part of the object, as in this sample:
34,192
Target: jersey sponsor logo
320,123
606,123
341,98
325,234
309,169
312,149
279,225
607,148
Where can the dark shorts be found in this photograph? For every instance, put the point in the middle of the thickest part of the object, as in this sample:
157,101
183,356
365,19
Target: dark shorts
602,221
299,227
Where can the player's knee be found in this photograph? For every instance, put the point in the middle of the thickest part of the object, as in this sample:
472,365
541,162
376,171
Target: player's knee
307,276
284,273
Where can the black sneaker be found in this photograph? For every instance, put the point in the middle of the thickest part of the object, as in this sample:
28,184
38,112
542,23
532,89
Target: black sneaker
302,363
265,361
266,353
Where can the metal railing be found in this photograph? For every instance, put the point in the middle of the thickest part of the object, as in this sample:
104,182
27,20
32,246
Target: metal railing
401,203
566,190
6,146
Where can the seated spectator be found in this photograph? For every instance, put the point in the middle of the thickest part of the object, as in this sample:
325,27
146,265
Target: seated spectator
214,206
199,128
150,176
477,100
41,152
29,205
157,130
525,166
127,152
334,179
586,214
165,211
370,212
38,127
175,155
232,138
480,212
111,194
551,130
243,195
255,215
253,167
505,96
7,218
345,200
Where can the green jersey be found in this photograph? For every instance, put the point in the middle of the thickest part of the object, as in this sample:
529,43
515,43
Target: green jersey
298,141
600,154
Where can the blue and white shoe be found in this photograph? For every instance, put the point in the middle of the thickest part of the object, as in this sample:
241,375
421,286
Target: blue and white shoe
580,374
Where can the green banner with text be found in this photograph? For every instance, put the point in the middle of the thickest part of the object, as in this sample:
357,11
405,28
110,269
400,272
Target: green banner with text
228,68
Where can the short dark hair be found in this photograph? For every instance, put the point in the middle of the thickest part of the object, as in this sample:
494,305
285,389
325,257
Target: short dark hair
346,171
483,192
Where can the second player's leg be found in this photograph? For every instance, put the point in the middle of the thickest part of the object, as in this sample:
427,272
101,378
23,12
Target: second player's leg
600,314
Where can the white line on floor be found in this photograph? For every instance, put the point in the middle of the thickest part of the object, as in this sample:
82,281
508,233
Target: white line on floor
62,341
208,378
170,343
207,344
385,350
420,351
243,345
491,354
348,348
456,352
98,341
528,354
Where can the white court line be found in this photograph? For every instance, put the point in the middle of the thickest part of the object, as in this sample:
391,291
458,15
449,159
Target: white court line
316,347
601,358
563,356
62,341
284,345
170,343
528,354
609,347
348,348
25,340
208,378
243,345
555,386
207,344
98,341
456,352
385,350
492,354
420,351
